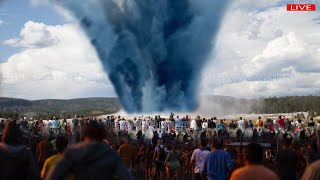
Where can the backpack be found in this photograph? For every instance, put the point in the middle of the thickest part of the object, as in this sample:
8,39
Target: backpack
162,154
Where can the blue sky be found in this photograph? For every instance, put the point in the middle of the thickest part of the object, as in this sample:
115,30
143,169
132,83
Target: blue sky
15,13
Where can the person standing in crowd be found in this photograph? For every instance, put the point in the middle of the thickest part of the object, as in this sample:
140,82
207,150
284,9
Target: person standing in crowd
217,163
313,154
253,157
159,157
55,125
193,125
212,124
197,159
128,154
204,124
148,160
185,158
63,126
281,122
287,160
62,143
24,123
69,132
311,123
172,163
242,124
90,159
16,160
199,123
232,125
250,124
259,123
221,126
302,161
44,150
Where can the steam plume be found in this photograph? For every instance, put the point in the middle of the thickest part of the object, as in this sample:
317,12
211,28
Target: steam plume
153,50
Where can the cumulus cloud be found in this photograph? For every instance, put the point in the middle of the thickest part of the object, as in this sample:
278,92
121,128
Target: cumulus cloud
34,35
295,84
263,50
67,68
284,53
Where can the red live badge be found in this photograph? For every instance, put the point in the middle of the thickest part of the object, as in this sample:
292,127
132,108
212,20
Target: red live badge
301,7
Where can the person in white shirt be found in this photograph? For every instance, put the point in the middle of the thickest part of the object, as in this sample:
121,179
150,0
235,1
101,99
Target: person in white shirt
129,125
162,126
151,124
204,125
197,159
193,125
49,126
242,124
143,125
122,124
178,125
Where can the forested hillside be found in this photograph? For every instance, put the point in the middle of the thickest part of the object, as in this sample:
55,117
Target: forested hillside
210,105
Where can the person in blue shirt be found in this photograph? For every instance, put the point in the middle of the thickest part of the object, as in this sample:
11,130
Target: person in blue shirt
217,163
221,125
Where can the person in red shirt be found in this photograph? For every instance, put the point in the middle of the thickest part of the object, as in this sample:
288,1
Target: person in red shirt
281,122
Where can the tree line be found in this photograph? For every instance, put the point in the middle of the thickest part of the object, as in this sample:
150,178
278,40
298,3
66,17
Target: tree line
288,104
270,105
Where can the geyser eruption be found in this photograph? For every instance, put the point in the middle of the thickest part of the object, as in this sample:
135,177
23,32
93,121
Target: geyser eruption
152,50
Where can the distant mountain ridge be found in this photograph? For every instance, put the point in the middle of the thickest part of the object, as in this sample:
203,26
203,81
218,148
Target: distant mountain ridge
208,105
84,106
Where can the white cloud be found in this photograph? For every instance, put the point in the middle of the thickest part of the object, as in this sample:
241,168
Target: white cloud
259,47
34,35
67,68
296,84
1,22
